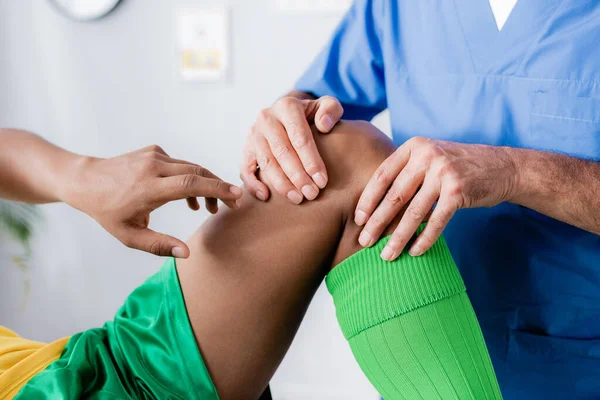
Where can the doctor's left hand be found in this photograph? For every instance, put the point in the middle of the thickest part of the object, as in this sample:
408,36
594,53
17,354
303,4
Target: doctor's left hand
121,192
422,172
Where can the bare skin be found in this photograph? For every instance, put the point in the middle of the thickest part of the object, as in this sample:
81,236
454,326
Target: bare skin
253,271
420,173
119,192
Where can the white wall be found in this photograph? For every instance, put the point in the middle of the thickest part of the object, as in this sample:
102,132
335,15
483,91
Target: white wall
112,86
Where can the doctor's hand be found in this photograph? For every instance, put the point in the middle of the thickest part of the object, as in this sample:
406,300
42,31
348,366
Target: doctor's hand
422,172
282,145
121,192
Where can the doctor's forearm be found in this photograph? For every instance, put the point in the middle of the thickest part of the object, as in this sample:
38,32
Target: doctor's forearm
33,170
562,187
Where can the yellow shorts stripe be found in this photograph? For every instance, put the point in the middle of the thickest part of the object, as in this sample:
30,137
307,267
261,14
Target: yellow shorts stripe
22,359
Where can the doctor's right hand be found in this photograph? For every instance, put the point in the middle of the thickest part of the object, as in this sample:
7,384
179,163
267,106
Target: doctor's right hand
282,146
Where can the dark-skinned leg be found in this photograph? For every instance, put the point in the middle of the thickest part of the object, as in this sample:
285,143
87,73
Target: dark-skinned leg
253,271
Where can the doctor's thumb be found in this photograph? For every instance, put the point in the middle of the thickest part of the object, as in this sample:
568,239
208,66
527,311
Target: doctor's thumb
329,112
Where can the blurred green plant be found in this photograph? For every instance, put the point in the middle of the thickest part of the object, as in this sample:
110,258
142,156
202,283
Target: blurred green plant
19,220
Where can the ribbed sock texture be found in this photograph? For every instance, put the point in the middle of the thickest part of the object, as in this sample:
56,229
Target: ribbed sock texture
411,326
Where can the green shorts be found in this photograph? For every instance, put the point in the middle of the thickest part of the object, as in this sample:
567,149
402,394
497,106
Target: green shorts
147,352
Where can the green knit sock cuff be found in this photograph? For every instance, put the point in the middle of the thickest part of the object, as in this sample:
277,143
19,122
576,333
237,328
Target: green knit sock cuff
367,290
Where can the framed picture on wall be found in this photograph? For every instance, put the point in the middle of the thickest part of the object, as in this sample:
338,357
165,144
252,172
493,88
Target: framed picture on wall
203,35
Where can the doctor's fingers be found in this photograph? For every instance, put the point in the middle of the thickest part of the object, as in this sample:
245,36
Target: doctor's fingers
287,158
415,214
272,173
327,112
398,195
379,184
436,223
292,114
248,172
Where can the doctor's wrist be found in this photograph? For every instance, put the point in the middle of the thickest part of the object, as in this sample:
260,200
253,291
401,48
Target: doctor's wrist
525,183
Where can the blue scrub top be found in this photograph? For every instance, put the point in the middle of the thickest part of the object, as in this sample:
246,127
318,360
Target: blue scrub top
445,71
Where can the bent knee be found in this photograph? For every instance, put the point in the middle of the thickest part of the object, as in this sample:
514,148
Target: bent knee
352,151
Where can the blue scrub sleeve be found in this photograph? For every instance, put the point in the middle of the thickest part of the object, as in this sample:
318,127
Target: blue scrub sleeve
350,67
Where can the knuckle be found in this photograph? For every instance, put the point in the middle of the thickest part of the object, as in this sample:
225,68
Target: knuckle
264,115
155,148
299,141
437,222
376,221
329,101
199,170
333,105
415,213
417,140
455,188
430,150
449,172
288,102
150,165
252,134
381,175
280,150
188,181
265,162
216,185
155,248
445,170
394,196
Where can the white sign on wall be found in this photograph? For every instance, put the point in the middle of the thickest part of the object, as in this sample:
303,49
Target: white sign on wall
313,6
203,43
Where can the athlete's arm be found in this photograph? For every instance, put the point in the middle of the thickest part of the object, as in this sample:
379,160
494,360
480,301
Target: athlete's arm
118,192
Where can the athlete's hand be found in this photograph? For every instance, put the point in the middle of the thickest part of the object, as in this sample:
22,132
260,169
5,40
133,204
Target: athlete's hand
422,172
121,192
282,145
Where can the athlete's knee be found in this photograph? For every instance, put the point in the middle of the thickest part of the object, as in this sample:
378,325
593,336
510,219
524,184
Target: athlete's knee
352,151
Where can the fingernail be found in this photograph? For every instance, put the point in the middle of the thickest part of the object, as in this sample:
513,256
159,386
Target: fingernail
360,218
295,197
365,239
320,180
387,254
178,252
327,122
310,192
236,191
415,251
238,203
261,196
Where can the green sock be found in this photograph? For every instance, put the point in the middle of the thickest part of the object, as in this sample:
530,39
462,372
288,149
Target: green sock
411,326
